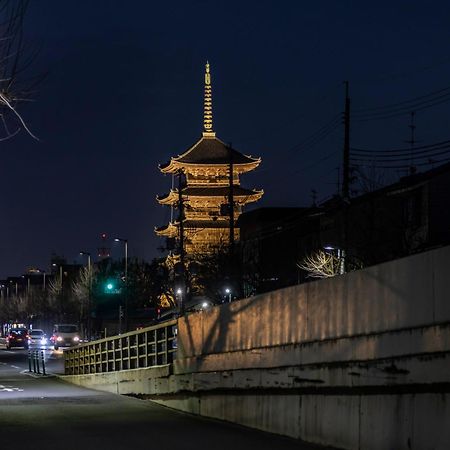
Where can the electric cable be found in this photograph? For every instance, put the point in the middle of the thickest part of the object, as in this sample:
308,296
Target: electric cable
404,102
400,150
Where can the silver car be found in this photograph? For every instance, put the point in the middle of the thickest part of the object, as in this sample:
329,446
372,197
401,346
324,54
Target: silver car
37,339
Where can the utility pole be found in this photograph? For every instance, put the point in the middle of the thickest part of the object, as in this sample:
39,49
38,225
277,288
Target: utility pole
346,180
181,242
346,159
234,265
231,199
412,141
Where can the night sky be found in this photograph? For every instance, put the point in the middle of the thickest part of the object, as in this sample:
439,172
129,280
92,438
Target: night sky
124,93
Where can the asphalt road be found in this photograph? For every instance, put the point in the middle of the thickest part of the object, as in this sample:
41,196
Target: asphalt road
45,413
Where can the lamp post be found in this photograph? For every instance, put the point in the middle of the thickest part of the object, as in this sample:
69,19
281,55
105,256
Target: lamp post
43,279
340,254
89,294
179,292
125,242
228,292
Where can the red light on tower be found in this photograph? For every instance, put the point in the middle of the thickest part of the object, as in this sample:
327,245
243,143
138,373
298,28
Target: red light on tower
103,250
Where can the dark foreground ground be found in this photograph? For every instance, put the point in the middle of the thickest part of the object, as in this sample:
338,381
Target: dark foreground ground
45,413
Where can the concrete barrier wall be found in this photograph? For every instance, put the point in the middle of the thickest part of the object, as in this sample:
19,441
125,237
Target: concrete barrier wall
376,422
405,293
126,382
360,361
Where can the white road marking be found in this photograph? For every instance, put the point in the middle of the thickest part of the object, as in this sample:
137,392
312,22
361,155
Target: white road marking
15,367
9,389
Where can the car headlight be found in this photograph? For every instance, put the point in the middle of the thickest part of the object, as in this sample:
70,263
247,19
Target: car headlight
44,341
76,338
59,338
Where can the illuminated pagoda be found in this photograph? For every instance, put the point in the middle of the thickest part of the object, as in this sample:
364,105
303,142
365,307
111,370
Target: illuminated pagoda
206,166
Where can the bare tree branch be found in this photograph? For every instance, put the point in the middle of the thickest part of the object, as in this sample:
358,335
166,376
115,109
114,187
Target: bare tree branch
321,264
14,60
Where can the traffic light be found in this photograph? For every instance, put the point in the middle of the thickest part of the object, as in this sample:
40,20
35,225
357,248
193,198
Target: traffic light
110,287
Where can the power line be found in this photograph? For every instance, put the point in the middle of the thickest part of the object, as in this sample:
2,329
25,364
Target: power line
413,100
319,135
310,166
403,111
407,74
400,149
406,158
394,154
406,166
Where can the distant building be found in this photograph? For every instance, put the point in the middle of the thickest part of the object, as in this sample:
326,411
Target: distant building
403,218
205,191
273,242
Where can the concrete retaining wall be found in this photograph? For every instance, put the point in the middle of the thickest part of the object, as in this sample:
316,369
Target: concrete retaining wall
407,293
125,382
387,422
360,361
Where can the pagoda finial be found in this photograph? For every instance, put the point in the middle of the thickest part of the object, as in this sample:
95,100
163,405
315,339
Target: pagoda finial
207,105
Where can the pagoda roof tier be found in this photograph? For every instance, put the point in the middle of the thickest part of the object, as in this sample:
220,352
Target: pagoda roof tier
220,223
242,195
171,229
210,151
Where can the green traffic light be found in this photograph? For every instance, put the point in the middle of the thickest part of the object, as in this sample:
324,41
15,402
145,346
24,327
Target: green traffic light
109,286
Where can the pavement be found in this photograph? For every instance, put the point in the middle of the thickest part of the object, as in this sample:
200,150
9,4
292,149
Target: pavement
46,413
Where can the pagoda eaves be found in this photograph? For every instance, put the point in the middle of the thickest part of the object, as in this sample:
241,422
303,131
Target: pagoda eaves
217,195
210,151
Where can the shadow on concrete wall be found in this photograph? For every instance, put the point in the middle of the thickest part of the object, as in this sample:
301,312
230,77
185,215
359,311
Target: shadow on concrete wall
394,295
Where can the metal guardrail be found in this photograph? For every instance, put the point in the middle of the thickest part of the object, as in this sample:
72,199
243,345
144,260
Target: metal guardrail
152,346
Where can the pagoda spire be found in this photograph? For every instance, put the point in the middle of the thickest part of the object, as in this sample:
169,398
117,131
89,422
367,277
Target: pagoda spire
207,106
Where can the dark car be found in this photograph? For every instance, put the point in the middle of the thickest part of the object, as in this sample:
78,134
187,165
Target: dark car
17,337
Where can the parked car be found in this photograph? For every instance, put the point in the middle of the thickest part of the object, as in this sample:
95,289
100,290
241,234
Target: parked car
17,337
37,339
65,335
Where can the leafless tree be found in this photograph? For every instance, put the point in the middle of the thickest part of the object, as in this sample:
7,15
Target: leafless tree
56,294
369,178
15,59
321,264
82,288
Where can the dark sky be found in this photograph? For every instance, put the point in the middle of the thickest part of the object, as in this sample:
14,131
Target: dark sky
124,93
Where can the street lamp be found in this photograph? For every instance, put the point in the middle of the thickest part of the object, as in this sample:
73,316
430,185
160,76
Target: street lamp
89,294
179,292
228,292
125,242
340,253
